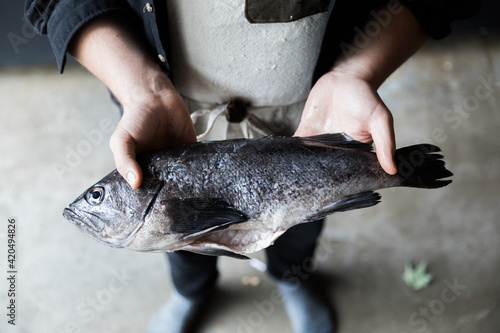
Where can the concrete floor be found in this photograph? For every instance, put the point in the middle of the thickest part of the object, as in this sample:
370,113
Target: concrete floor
69,283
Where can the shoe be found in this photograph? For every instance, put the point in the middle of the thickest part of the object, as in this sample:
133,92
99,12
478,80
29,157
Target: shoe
178,314
307,310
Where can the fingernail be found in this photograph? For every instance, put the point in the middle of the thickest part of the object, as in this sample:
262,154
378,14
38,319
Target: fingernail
131,178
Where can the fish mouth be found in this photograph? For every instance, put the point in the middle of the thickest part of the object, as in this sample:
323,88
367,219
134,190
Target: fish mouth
80,219
87,225
94,226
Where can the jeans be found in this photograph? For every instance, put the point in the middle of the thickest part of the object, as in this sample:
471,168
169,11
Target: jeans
194,274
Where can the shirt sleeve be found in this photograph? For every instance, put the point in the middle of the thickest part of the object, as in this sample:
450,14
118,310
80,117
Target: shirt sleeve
435,16
61,19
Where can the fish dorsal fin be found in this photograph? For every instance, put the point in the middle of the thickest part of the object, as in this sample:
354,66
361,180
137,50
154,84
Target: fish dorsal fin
197,216
338,140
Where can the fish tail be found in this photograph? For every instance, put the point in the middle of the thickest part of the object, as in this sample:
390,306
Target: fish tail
421,167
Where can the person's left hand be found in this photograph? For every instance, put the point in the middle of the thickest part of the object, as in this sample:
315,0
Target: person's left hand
340,102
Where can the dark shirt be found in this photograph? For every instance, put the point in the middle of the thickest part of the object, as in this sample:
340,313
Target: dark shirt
61,19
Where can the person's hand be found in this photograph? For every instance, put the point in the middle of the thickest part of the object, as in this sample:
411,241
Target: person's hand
150,122
346,99
340,102
154,114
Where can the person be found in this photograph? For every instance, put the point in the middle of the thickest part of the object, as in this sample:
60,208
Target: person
302,68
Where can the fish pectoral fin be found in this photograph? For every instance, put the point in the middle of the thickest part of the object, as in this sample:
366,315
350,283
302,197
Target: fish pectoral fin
355,201
197,216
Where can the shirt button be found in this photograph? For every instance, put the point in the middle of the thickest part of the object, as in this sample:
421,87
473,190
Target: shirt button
161,57
149,7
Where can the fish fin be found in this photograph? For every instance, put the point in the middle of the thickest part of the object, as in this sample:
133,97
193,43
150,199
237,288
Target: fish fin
216,252
421,167
355,201
339,140
197,216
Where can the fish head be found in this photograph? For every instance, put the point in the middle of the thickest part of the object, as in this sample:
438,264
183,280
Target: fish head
110,211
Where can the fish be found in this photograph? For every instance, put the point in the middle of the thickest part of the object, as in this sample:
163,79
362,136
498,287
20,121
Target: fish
236,197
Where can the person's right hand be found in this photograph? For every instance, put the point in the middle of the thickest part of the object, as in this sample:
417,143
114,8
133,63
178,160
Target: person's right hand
152,121
154,114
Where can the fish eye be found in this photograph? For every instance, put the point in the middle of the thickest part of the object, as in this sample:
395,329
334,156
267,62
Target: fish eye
95,196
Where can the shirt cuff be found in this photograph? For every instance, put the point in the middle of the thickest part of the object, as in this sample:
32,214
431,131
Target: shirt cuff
69,16
435,17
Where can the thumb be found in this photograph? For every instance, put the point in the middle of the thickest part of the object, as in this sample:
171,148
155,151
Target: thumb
386,160
382,131
123,148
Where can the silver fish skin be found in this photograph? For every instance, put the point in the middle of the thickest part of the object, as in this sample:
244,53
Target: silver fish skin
235,197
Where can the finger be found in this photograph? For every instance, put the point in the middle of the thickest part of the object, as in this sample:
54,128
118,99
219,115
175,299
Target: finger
123,149
312,119
302,130
382,131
